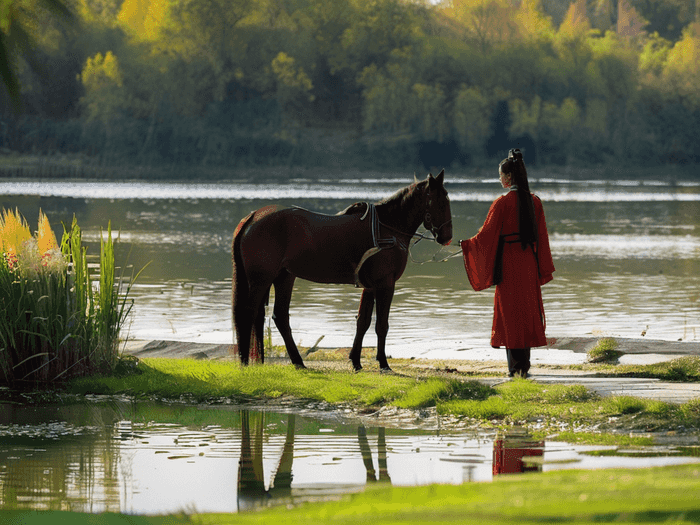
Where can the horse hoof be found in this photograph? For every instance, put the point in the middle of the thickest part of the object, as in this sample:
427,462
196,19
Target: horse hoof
300,366
356,367
386,370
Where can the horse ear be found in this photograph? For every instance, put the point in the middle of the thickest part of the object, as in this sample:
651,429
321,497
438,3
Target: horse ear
441,176
415,179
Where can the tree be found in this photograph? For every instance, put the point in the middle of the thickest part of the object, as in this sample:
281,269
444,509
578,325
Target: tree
534,23
681,73
472,118
630,23
16,39
576,22
293,84
485,23
197,30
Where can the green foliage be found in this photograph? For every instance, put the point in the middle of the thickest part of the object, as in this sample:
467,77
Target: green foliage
472,118
143,78
102,80
55,323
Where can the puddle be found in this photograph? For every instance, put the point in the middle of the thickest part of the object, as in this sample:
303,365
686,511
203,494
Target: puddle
147,458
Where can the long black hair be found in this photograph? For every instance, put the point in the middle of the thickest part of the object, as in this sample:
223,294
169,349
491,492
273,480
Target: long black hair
515,167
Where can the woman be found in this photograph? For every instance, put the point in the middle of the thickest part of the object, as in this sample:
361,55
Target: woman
511,251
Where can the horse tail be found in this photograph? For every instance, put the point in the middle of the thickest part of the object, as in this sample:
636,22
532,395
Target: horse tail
239,286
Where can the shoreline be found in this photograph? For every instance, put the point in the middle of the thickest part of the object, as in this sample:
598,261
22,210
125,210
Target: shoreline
490,372
635,350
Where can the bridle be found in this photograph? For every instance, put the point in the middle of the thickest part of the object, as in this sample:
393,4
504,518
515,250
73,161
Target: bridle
428,220
435,230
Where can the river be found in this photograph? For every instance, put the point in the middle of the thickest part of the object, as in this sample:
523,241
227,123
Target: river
627,255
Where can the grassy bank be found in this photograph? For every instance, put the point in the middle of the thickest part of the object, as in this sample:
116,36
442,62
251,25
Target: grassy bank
621,496
571,411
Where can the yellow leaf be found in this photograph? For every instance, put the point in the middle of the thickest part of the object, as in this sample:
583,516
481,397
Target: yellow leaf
15,231
45,236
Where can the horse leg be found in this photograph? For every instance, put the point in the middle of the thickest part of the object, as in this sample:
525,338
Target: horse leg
364,319
243,324
254,316
284,283
259,327
384,298
241,316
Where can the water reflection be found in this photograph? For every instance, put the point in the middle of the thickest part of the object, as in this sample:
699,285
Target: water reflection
515,452
137,457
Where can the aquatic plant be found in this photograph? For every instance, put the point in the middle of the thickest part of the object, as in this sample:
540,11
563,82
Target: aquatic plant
56,318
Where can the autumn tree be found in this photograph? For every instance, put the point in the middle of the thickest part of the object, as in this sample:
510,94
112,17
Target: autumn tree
681,73
484,23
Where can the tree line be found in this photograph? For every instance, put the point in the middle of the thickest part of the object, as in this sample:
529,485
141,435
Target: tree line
352,83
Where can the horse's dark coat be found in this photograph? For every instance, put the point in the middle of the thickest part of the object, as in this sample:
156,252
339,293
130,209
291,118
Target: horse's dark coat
274,245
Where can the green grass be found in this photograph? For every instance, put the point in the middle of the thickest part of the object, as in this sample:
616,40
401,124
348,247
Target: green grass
54,322
553,408
605,351
653,495
684,369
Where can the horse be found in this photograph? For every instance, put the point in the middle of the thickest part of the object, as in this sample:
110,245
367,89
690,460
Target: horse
365,245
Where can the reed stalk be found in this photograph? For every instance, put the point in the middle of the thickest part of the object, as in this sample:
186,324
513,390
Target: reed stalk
56,321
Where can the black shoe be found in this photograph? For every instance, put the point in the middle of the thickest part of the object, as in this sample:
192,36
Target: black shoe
520,374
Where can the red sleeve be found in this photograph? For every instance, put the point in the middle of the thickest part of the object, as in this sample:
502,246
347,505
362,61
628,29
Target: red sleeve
544,254
479,252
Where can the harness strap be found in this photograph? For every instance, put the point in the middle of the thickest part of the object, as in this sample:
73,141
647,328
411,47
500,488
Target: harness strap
378,244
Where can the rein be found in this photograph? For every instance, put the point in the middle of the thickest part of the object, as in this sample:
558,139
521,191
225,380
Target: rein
419,237
422,236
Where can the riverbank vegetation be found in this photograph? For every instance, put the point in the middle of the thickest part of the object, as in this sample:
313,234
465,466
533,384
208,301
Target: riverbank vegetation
654,495
58,317
193,88
545,409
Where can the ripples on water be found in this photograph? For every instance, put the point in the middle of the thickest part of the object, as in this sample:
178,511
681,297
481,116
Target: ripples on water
125,457
627,258
355,189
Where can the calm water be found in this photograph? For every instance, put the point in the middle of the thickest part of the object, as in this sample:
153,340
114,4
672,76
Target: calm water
145,458
627,256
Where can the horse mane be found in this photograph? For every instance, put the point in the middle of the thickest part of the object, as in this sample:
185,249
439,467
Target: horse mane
403,196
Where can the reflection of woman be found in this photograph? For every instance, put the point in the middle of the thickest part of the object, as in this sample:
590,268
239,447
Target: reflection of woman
511,250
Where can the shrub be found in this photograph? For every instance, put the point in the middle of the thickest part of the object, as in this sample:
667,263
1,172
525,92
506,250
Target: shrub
54,321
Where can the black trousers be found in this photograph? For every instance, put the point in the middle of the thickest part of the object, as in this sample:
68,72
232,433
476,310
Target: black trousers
518,360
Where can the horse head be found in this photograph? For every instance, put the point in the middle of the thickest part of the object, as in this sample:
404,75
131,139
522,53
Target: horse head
438,218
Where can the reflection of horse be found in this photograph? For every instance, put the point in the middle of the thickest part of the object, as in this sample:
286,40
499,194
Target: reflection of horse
252,492
251,475
365,245
367,454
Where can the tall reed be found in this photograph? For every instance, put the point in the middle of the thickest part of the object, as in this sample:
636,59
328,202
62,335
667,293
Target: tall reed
57,320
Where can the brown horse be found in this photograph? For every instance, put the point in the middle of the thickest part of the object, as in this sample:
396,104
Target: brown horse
365,245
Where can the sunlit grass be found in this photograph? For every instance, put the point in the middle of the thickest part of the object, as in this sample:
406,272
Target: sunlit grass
605,351
657,495
684,369
513,402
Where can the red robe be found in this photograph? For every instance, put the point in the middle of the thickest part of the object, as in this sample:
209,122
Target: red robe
518,315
